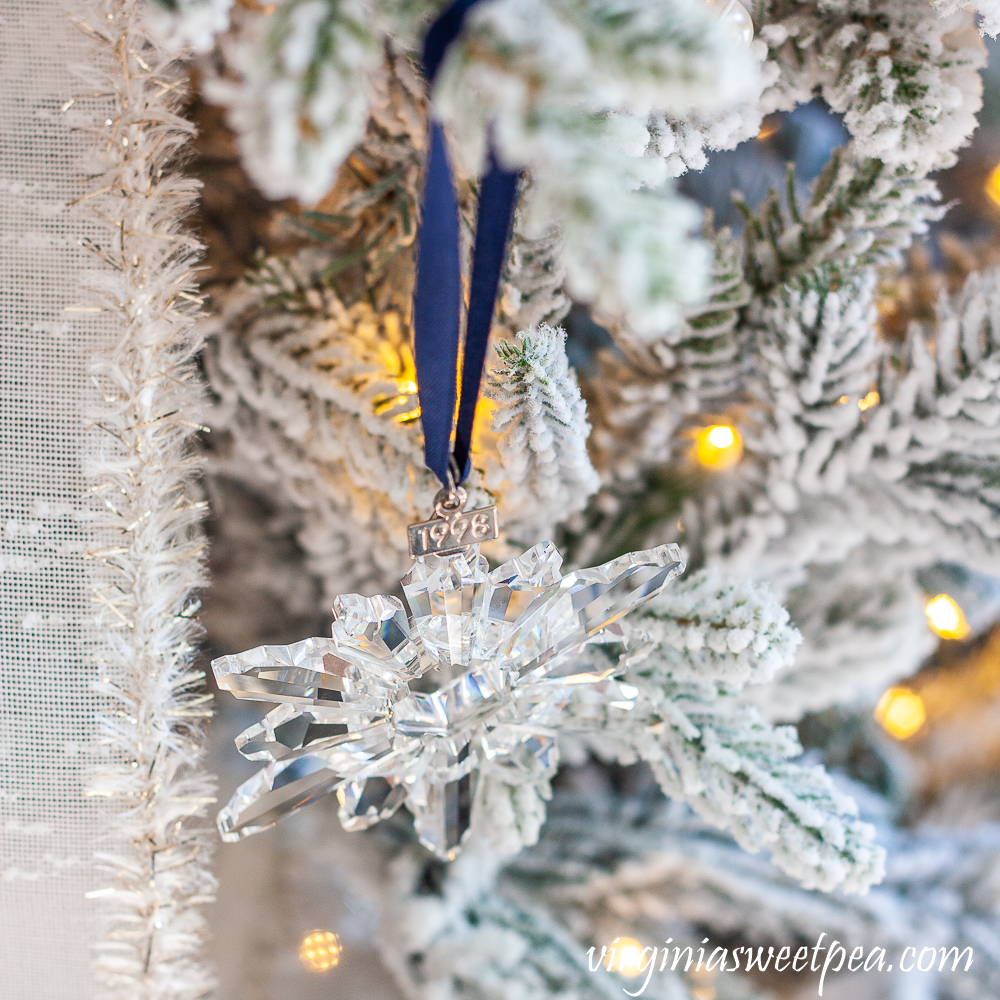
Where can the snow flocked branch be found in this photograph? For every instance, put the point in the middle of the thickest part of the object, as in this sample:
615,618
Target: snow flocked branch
642,393
988,11
310,363
634,865
908,84
464,940
842,450
546,76
845,499
313,375
448,932
696,647
897,71
544,474
318,399
567,87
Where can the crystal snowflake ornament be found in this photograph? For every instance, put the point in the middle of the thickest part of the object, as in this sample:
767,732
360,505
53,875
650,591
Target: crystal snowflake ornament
396,709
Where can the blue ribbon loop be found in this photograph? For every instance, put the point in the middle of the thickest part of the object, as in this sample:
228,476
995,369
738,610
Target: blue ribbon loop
437,295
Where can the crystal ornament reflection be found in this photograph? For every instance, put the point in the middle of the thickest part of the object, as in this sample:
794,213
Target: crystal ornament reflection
400,709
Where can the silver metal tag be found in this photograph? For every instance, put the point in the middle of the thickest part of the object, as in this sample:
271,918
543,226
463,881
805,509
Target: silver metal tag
453,528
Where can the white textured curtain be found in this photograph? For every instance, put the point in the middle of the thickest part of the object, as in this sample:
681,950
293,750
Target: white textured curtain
49,828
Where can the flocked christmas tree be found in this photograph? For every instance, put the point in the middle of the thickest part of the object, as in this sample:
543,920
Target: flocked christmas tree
748,403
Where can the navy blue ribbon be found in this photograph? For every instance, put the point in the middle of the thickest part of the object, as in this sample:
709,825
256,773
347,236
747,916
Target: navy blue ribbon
437,295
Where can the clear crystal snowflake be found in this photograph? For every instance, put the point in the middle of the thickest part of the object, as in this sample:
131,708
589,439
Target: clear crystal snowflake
395,709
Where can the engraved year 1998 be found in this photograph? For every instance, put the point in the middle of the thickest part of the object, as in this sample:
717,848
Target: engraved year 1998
457,531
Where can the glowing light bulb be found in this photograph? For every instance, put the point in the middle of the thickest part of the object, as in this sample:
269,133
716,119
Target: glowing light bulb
735,17
771,125
625,958
872,399
718,447
946,618
901,712
703,988
320,951
722,436
407,412
992,186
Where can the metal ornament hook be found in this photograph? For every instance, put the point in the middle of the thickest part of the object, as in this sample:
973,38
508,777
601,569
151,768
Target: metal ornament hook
449,500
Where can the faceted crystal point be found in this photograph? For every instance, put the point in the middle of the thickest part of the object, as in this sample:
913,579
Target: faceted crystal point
365,801
510,591
377,627
258,674
534,569
447,710
446,816
585,602
271,794
310,672
442,592
285,786
518,755
285,732
393,710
